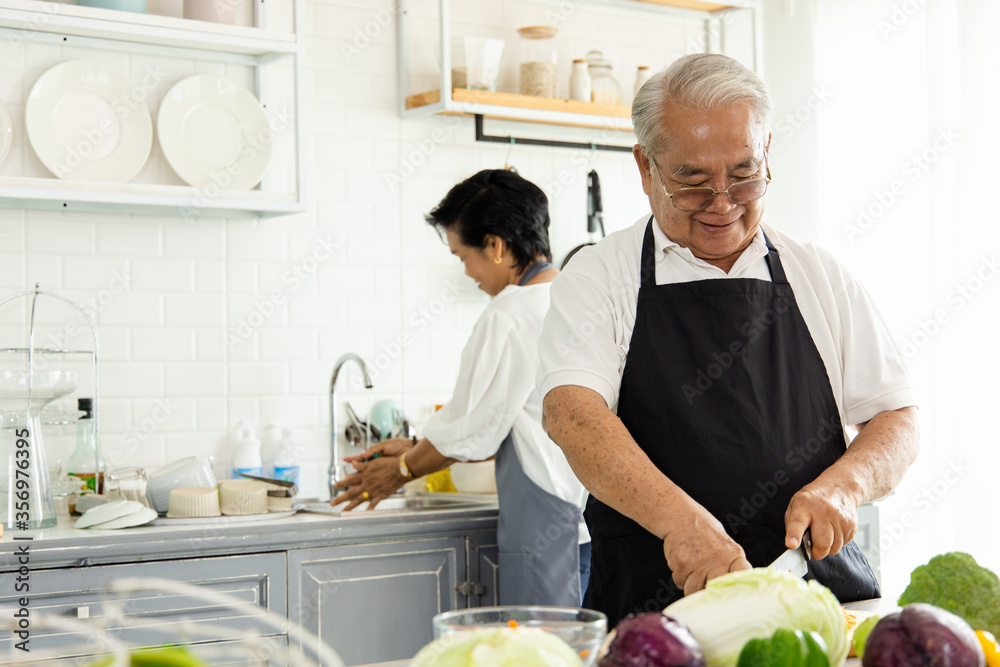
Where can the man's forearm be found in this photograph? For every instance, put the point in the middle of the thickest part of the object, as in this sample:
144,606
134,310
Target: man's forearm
879,456
606,459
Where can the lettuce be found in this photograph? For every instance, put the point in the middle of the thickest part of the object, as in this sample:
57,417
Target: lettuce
752,604
498,647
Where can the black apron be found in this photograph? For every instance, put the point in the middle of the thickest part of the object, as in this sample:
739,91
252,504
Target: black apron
726,393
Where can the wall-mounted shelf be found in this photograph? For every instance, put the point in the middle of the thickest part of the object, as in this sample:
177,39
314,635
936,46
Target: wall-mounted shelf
525,108
23,22
511,106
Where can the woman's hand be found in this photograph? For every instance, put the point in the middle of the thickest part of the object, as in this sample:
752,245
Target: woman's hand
375,481
392,447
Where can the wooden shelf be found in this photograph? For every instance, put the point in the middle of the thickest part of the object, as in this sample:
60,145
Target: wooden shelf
698,5
511,106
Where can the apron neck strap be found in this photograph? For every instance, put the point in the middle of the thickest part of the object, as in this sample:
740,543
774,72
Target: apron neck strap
647,274
533,271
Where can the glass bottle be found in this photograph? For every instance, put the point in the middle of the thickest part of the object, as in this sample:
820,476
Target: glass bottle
579,82
605,88
86,461
538,61
642,75
25,494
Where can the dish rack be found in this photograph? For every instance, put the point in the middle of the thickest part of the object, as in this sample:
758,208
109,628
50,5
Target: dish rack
31,349
258,637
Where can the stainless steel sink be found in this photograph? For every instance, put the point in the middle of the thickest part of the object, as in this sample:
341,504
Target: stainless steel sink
404,504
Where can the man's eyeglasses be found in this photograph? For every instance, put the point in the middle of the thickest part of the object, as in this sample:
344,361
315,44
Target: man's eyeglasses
698,199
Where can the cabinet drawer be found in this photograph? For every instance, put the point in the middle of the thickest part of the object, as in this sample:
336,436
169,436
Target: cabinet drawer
157,615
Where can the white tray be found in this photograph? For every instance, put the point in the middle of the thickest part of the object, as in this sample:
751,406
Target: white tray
216,520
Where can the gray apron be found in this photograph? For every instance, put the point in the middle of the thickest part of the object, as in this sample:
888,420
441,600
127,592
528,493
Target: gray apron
538,533
538,536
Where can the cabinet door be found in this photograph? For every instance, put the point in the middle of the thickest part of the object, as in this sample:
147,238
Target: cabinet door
374,602
151,616
484,568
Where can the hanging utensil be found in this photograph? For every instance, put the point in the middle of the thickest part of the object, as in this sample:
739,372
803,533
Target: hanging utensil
595,206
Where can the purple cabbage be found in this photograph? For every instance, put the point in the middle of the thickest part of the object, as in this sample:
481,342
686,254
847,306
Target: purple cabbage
652,640
922,635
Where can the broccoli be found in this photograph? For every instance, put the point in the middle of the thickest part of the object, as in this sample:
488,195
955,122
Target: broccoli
954,581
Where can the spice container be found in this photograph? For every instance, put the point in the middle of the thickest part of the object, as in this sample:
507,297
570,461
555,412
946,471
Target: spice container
605,88
579,82
538,61
475,63
642,75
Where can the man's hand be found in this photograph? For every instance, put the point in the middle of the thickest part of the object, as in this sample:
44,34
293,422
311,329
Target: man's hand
829,513
698,549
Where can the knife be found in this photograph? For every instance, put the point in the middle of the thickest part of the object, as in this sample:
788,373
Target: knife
795,561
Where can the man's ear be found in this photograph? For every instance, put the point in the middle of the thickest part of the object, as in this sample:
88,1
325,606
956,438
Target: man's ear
643,163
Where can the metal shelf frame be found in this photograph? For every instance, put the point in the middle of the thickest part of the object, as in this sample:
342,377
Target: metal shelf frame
714,27
152,35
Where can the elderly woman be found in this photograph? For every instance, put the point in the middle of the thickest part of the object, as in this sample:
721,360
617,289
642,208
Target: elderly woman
497,224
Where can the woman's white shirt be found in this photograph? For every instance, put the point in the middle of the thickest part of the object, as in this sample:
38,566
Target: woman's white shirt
495,395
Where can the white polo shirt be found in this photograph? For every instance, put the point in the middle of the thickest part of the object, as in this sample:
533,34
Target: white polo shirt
587,331
495,395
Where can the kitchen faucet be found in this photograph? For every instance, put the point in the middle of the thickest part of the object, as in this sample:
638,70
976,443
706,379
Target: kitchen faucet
337,466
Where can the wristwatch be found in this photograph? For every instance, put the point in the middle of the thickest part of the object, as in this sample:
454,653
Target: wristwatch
404,469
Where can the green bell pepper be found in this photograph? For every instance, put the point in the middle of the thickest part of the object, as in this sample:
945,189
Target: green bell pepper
785,648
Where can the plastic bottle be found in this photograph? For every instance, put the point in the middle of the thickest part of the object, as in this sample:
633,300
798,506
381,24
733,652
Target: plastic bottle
86,461
286,464
246,460
579,81
270,441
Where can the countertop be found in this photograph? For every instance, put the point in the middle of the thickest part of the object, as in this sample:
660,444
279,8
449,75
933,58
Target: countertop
66,546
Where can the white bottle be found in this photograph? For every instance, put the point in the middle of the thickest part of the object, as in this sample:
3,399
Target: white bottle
579,82
286,464
270,441
642,75
246,459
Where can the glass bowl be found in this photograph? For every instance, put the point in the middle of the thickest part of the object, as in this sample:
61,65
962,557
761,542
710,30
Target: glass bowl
583,629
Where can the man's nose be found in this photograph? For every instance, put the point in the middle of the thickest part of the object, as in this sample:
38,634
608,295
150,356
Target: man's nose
721,203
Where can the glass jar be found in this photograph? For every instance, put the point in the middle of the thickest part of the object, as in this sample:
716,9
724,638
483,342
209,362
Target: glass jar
538,61
605,89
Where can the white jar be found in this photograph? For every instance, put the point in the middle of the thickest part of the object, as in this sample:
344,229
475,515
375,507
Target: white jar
642,75
579,82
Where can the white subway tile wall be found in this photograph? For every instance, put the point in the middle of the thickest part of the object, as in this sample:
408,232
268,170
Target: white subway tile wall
204,323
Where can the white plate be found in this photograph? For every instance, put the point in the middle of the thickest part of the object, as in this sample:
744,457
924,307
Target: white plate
218,520
6,131
107,512
141,516
85,124
214,132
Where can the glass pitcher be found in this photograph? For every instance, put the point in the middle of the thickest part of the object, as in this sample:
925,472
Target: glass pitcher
25,493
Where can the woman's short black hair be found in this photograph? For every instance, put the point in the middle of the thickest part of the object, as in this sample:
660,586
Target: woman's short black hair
501,203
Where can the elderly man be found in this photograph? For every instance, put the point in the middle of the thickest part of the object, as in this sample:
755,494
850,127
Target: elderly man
700,368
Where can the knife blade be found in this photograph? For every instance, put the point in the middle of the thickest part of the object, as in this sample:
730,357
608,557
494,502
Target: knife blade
795,561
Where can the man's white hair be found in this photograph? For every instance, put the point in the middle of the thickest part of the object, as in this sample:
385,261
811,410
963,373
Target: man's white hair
699,81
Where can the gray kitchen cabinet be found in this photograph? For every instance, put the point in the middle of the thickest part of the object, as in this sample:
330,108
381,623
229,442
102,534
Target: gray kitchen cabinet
155,616
374,602
484,568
